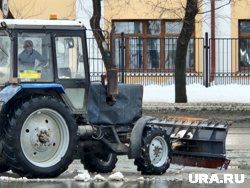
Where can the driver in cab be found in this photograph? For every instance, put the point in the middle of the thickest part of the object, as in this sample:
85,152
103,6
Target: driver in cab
28,57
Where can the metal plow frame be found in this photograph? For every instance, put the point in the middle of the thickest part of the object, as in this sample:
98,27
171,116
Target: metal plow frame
197,142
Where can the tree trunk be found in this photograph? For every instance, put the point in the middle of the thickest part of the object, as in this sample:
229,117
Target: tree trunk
10,15
112,87
98,34
181,50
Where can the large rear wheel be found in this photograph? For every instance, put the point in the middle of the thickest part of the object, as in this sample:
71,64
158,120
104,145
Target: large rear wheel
3,164
41,138
155,152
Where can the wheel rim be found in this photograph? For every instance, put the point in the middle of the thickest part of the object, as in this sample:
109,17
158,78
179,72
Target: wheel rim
158,151
44,137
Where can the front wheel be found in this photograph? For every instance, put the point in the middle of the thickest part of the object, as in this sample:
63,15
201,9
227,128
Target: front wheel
41,138
94,162
155,152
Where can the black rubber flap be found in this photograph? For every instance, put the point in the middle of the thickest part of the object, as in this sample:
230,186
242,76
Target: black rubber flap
126,110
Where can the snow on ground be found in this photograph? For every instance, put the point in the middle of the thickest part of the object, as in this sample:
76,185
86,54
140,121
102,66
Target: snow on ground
197,93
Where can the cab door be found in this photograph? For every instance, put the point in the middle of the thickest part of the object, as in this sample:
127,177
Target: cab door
72,69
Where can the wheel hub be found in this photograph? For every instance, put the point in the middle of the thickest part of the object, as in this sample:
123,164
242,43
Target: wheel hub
43,136
41,140
158,151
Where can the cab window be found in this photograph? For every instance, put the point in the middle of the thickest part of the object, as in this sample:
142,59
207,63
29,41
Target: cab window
34,57
69,58
5,57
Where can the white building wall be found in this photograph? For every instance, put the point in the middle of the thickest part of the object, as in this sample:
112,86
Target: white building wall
223,32
223,49
223,19
206,21
84,11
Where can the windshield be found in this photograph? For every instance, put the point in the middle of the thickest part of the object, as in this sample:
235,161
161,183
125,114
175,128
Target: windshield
34,57
4,58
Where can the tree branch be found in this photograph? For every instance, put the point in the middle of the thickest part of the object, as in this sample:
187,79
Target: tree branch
98,33
219,7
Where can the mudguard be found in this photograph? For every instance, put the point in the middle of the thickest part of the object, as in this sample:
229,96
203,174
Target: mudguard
126,110
10,91
136,137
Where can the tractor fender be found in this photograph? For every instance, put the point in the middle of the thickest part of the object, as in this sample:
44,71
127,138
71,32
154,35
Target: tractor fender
58,87
136,137
10,91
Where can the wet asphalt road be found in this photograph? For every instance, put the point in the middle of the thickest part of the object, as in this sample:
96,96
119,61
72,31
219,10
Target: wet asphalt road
238,151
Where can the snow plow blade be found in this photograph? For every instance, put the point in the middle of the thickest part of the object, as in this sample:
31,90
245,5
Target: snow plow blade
197,142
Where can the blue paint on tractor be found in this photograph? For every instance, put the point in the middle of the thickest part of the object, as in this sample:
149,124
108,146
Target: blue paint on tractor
10,91
57,87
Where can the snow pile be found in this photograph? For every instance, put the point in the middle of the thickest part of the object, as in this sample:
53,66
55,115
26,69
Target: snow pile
118,176
198,93
98,177
141,178
8,179
83,176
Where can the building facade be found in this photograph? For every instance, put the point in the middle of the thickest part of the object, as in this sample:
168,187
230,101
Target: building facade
37,9
151,29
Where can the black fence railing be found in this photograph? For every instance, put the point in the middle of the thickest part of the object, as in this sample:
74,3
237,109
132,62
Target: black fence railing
151,60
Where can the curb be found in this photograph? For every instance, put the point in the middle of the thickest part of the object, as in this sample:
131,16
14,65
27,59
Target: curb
196,106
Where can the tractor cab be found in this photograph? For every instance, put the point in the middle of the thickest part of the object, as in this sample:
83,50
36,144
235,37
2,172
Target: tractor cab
40,53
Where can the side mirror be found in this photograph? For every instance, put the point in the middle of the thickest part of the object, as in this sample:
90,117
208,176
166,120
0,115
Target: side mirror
69,42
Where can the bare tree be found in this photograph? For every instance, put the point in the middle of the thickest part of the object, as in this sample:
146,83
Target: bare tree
10,15
191,11
111,69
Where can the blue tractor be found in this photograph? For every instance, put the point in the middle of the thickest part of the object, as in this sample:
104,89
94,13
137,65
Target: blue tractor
52,114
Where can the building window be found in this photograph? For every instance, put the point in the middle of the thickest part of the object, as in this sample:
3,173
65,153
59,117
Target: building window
149,45
135,53
128,27
173,27
153,53
244,44
153,27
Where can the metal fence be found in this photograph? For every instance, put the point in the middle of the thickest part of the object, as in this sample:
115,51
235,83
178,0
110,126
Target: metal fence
151,61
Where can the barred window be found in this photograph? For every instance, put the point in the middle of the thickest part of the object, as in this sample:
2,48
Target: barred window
244,44
149,44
